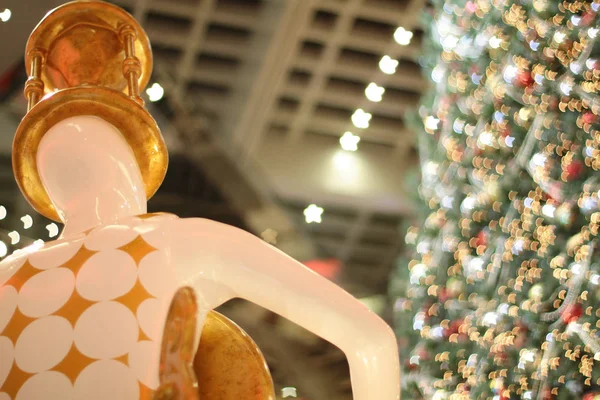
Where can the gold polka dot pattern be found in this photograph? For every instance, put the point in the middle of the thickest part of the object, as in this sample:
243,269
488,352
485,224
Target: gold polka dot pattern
67,333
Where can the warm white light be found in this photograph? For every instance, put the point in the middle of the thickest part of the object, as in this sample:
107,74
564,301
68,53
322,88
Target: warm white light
3,249
155,92
437,74
490,319
431,122
510,73
548,210
349,141
495,42
459,125
388,65
14,237
590,62
440,395
418,272
527,356
313,213
289,392
52,230
431,168
509,140
402,36
538,160
447,202
5,15
566,88
2,212
560,37
575,67
593,32
525,114
534,45
374,92
450,42
486,139
361,119
468,204
27,221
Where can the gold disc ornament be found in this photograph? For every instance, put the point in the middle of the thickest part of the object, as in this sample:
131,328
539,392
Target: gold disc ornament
229,365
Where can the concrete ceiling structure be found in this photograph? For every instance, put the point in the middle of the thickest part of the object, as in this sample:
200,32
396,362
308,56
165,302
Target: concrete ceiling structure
278,82
257,96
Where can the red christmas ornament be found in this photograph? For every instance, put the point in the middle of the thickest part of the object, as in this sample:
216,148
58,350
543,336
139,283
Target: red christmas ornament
547,394
587,18
547,198
589,118
453,328
553,103
524,79
591,395
574,170
572,313
481,239
443,295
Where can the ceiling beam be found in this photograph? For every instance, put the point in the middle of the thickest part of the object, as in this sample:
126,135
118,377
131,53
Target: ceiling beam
194,41
326,63
250,128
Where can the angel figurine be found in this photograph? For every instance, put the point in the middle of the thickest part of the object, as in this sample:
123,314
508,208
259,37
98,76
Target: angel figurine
82,317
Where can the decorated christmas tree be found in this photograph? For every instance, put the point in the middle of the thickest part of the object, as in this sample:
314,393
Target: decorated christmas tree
500,298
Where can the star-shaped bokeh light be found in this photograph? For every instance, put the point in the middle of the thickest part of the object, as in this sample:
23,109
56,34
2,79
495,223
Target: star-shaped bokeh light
313,213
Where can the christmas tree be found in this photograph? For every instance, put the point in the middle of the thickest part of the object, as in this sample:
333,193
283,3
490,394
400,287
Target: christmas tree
500,298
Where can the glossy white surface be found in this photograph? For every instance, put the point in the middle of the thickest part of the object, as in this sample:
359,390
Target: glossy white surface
126,270
90,173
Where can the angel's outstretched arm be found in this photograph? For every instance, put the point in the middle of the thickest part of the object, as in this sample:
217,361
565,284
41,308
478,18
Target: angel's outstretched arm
253,270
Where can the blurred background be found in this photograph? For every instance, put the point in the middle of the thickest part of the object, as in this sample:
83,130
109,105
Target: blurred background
286,118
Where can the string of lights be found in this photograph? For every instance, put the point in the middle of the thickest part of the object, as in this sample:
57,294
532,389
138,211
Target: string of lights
361,118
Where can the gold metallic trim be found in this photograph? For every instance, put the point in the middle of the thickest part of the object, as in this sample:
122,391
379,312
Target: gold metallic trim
61,35
176,374
132,120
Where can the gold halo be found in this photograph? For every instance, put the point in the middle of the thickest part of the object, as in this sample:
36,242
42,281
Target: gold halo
133,121
97,15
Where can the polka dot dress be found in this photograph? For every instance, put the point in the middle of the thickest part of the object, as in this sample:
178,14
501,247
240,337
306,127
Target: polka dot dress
83,320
